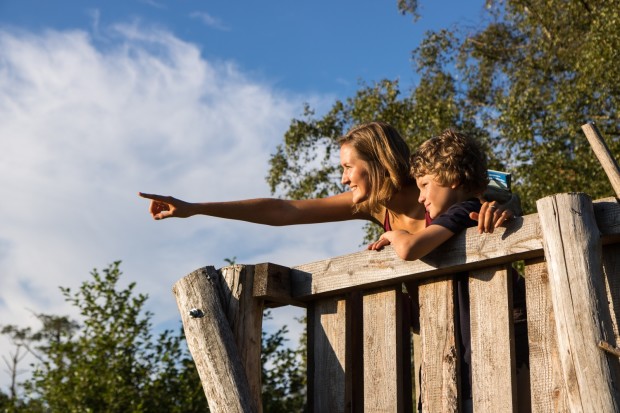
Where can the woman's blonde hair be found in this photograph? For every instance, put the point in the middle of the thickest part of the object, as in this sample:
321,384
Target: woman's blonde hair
387,155
454,159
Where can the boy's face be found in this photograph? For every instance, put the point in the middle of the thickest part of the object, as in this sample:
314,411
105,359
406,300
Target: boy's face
354,173
437,198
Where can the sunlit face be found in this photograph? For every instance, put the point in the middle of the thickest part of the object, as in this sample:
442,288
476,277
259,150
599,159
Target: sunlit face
437,198
354,173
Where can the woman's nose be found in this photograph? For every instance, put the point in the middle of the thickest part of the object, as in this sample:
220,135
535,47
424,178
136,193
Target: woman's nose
345,178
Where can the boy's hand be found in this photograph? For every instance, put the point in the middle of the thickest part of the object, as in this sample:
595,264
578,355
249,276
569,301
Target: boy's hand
492,215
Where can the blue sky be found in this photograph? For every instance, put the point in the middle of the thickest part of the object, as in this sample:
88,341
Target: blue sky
102,99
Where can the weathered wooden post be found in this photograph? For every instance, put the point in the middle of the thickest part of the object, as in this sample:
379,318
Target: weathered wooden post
573,251
211,342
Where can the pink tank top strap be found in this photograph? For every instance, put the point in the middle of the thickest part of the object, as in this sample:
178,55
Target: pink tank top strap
386,221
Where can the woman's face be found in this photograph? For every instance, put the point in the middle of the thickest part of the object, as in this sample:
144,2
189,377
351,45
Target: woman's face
354,173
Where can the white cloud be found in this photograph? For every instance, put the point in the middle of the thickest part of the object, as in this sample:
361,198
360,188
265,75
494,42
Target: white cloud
85,124
209,20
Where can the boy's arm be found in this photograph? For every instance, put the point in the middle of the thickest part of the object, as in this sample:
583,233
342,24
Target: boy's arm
413,246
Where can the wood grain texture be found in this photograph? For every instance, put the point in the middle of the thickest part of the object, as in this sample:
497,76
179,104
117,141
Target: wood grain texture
494,387
212,344
327,324
245,317
573,252
439,366
546,376
383,352
521,239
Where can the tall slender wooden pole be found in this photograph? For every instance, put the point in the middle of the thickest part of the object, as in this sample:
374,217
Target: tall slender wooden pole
603,154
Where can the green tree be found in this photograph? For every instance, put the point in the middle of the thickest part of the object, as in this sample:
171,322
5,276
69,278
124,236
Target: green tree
523,80
537,72
111,362
283,372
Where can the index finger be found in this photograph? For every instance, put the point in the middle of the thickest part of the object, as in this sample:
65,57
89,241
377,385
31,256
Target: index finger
482,217
152,196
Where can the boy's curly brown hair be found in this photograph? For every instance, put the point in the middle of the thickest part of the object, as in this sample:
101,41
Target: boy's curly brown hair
453,158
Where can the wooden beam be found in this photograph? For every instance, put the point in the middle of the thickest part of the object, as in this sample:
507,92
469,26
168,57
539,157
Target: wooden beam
272,283
521,239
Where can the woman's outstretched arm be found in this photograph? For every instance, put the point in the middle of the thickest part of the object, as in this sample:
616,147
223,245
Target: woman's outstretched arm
267,211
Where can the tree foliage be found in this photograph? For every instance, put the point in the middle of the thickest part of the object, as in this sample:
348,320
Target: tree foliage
111,362
283,372
523,81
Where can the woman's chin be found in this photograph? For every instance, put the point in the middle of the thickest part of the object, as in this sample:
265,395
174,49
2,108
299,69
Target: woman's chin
359,199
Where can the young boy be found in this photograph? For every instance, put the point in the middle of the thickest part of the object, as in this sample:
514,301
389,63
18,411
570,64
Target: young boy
451,173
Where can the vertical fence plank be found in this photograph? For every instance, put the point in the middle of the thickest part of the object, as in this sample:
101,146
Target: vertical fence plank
572,247
326,355
492,341
245,317
546,377
383,352
439,386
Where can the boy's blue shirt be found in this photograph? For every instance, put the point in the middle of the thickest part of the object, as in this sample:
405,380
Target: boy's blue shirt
456,218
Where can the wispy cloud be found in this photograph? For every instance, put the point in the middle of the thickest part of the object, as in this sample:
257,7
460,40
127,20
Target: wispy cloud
82,130
153,3
209,20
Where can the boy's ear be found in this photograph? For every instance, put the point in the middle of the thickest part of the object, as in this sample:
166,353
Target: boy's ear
455,185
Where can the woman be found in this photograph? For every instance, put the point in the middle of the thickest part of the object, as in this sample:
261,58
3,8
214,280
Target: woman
375,166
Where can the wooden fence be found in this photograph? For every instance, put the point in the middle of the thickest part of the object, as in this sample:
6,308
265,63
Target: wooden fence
362,353
359,342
